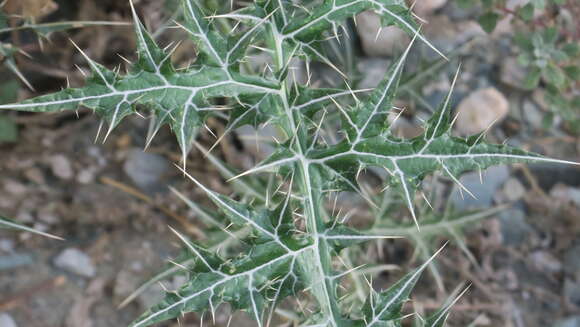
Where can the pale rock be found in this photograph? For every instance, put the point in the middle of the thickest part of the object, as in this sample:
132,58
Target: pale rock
75,261
565,193
481,109
7,245
390,39
6,320
513,74
425,8
15,188
61,167
48,217
545,261
513,190
86,176
533,114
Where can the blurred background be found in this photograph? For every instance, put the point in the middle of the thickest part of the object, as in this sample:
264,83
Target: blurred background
111,201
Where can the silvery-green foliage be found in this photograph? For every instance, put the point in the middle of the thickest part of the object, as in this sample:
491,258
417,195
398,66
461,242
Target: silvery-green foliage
283,258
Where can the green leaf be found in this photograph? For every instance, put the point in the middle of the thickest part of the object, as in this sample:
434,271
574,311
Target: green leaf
9,91
550,35
573,72
7,52
439,318
211,45
245,283
386,306
532,79
527,12
554,76
488,21
572,49
539,4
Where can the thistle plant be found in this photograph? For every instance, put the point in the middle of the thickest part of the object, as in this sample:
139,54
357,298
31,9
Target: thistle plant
292,241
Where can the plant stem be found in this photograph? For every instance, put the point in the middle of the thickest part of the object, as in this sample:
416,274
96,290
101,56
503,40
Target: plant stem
310,186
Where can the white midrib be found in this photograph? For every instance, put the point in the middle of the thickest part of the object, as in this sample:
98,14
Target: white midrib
131,92
311,219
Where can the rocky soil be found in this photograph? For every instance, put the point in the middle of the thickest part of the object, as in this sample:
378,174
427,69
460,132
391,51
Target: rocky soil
111,203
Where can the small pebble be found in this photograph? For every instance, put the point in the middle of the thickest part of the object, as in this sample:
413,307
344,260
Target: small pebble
61,167
75,261
6,320
15,188
86,176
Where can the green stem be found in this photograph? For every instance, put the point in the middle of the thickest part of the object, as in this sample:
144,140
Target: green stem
310,185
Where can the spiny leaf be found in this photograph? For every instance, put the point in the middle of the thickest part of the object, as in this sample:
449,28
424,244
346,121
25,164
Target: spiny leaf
7,53
331,11
386,306
439,318
210,44
243,282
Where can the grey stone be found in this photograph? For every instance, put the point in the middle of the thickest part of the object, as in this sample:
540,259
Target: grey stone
493,178
15,260
532,114
14,187
572,291
573,321
545,261
6,320
146,170
61,167
75,261
572,261
7,245
514,228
